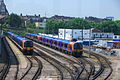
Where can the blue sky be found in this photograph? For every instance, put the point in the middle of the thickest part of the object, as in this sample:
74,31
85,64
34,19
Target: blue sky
75,8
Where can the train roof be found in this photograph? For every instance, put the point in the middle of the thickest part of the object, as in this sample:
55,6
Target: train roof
31,34
48,37
11,33
20,38
57,39
16,36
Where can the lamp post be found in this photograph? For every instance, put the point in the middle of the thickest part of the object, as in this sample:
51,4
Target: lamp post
89,42
82,30
0,38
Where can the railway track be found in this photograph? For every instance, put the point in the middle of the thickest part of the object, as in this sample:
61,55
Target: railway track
77,70
89,69
90,73
34,69
6,66
32,72
92,67
105,69
65,72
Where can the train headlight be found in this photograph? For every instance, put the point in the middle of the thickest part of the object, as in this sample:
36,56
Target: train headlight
28,48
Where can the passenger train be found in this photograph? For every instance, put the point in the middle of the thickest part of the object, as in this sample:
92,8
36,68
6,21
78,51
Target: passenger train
25,45
76,48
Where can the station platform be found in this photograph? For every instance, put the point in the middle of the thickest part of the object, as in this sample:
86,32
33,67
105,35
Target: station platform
21,58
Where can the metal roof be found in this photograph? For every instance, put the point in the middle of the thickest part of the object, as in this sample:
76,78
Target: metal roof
16,36
31,34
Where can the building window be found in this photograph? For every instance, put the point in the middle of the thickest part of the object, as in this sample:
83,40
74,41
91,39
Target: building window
85,34
115,36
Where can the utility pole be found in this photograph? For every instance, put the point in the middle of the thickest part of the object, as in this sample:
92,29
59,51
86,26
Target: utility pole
0,39
82,30
89,42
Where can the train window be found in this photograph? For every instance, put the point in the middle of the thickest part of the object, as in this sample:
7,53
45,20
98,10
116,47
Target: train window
36,37
48,41
70,47
62,45
55,42
78,46
20,43
28,44
65,45
41,39
59,43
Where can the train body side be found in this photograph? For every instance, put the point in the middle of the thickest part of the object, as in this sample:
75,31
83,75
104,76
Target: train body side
76,48
25,45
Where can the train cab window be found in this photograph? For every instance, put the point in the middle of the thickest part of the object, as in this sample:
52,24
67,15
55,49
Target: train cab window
28,44
78,46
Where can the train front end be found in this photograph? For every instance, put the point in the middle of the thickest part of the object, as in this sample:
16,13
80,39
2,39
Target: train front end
28,45
78,49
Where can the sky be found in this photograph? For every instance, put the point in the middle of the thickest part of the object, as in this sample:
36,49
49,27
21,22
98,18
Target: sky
73,8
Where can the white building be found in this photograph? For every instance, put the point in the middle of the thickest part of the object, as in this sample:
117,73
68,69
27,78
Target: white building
40,24
96,35
85,34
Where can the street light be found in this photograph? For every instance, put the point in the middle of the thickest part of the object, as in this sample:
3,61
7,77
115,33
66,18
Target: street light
89,42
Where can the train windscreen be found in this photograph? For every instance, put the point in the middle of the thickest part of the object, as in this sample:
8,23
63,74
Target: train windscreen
78,46
28,44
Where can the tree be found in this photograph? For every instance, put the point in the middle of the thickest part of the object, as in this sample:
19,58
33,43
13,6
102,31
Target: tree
32,26
118,26
14,20
108,26
53,26
79,23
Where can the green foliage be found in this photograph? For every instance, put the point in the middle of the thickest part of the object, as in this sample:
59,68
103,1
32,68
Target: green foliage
109,26
53,26
32,26
5,25
118,27
22,31
14,20
79,23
